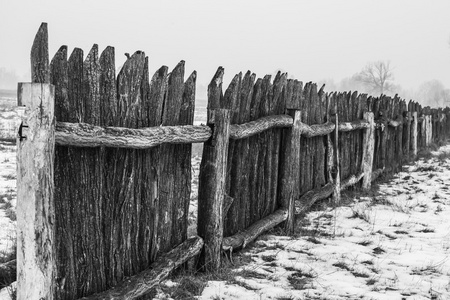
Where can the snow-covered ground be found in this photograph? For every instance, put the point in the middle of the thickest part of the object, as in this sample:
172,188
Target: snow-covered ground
7,195
393,244
390,244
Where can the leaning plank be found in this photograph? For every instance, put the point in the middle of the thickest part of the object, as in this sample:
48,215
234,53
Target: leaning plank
317,129
36,266
311,197
87,135
243,238
254,127
141,283
355,125
352,180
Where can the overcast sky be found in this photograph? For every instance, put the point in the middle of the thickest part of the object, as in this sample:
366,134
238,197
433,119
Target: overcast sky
311,40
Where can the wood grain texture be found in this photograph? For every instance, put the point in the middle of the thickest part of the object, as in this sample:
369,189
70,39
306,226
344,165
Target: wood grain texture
290,169
251,205
40,69
87,135
309,198
64,165
212,184
240,170
183,172
241,131
317,129
171,183
368,150
243,238
36,260
140,284
231,100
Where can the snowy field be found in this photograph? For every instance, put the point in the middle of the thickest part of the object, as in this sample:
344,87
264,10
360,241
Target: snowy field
7,196
393,244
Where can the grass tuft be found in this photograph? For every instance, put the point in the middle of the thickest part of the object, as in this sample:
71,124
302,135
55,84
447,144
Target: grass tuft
301,280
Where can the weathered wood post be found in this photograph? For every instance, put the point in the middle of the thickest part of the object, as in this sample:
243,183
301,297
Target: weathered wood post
414,124
211,190
407,135
429,129
35,208
368,150
423,131
290,174
337,183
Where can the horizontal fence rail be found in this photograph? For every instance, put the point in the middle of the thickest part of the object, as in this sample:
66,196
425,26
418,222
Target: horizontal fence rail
254,127
86,135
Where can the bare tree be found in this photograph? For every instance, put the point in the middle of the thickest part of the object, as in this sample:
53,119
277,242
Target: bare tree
377,77
433,93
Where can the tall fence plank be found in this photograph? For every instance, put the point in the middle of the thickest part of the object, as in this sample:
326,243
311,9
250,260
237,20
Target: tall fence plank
212,191
40,69
169,188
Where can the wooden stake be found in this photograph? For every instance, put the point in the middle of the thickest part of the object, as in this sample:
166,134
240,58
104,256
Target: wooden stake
211,190
337,183
414,133
368,150
36,270
290,172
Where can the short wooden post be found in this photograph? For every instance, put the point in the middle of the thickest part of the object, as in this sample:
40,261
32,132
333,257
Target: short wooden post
211,190
368,150
36,270
290,172
414,133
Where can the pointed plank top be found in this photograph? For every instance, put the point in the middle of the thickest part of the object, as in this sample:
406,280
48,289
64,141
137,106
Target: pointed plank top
40,69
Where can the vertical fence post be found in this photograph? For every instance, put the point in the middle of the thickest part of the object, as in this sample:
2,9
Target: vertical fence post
414,133
35,207
290,176
212,190
430,129
337,183
368,150
407,145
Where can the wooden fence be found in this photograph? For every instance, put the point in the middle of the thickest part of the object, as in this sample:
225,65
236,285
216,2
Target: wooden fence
104,166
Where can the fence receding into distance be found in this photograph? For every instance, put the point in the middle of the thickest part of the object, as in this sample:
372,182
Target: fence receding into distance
104,166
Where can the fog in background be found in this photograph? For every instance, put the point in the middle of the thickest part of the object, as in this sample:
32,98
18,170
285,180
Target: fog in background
324,41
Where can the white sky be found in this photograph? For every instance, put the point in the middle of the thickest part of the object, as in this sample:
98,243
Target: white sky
311,40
